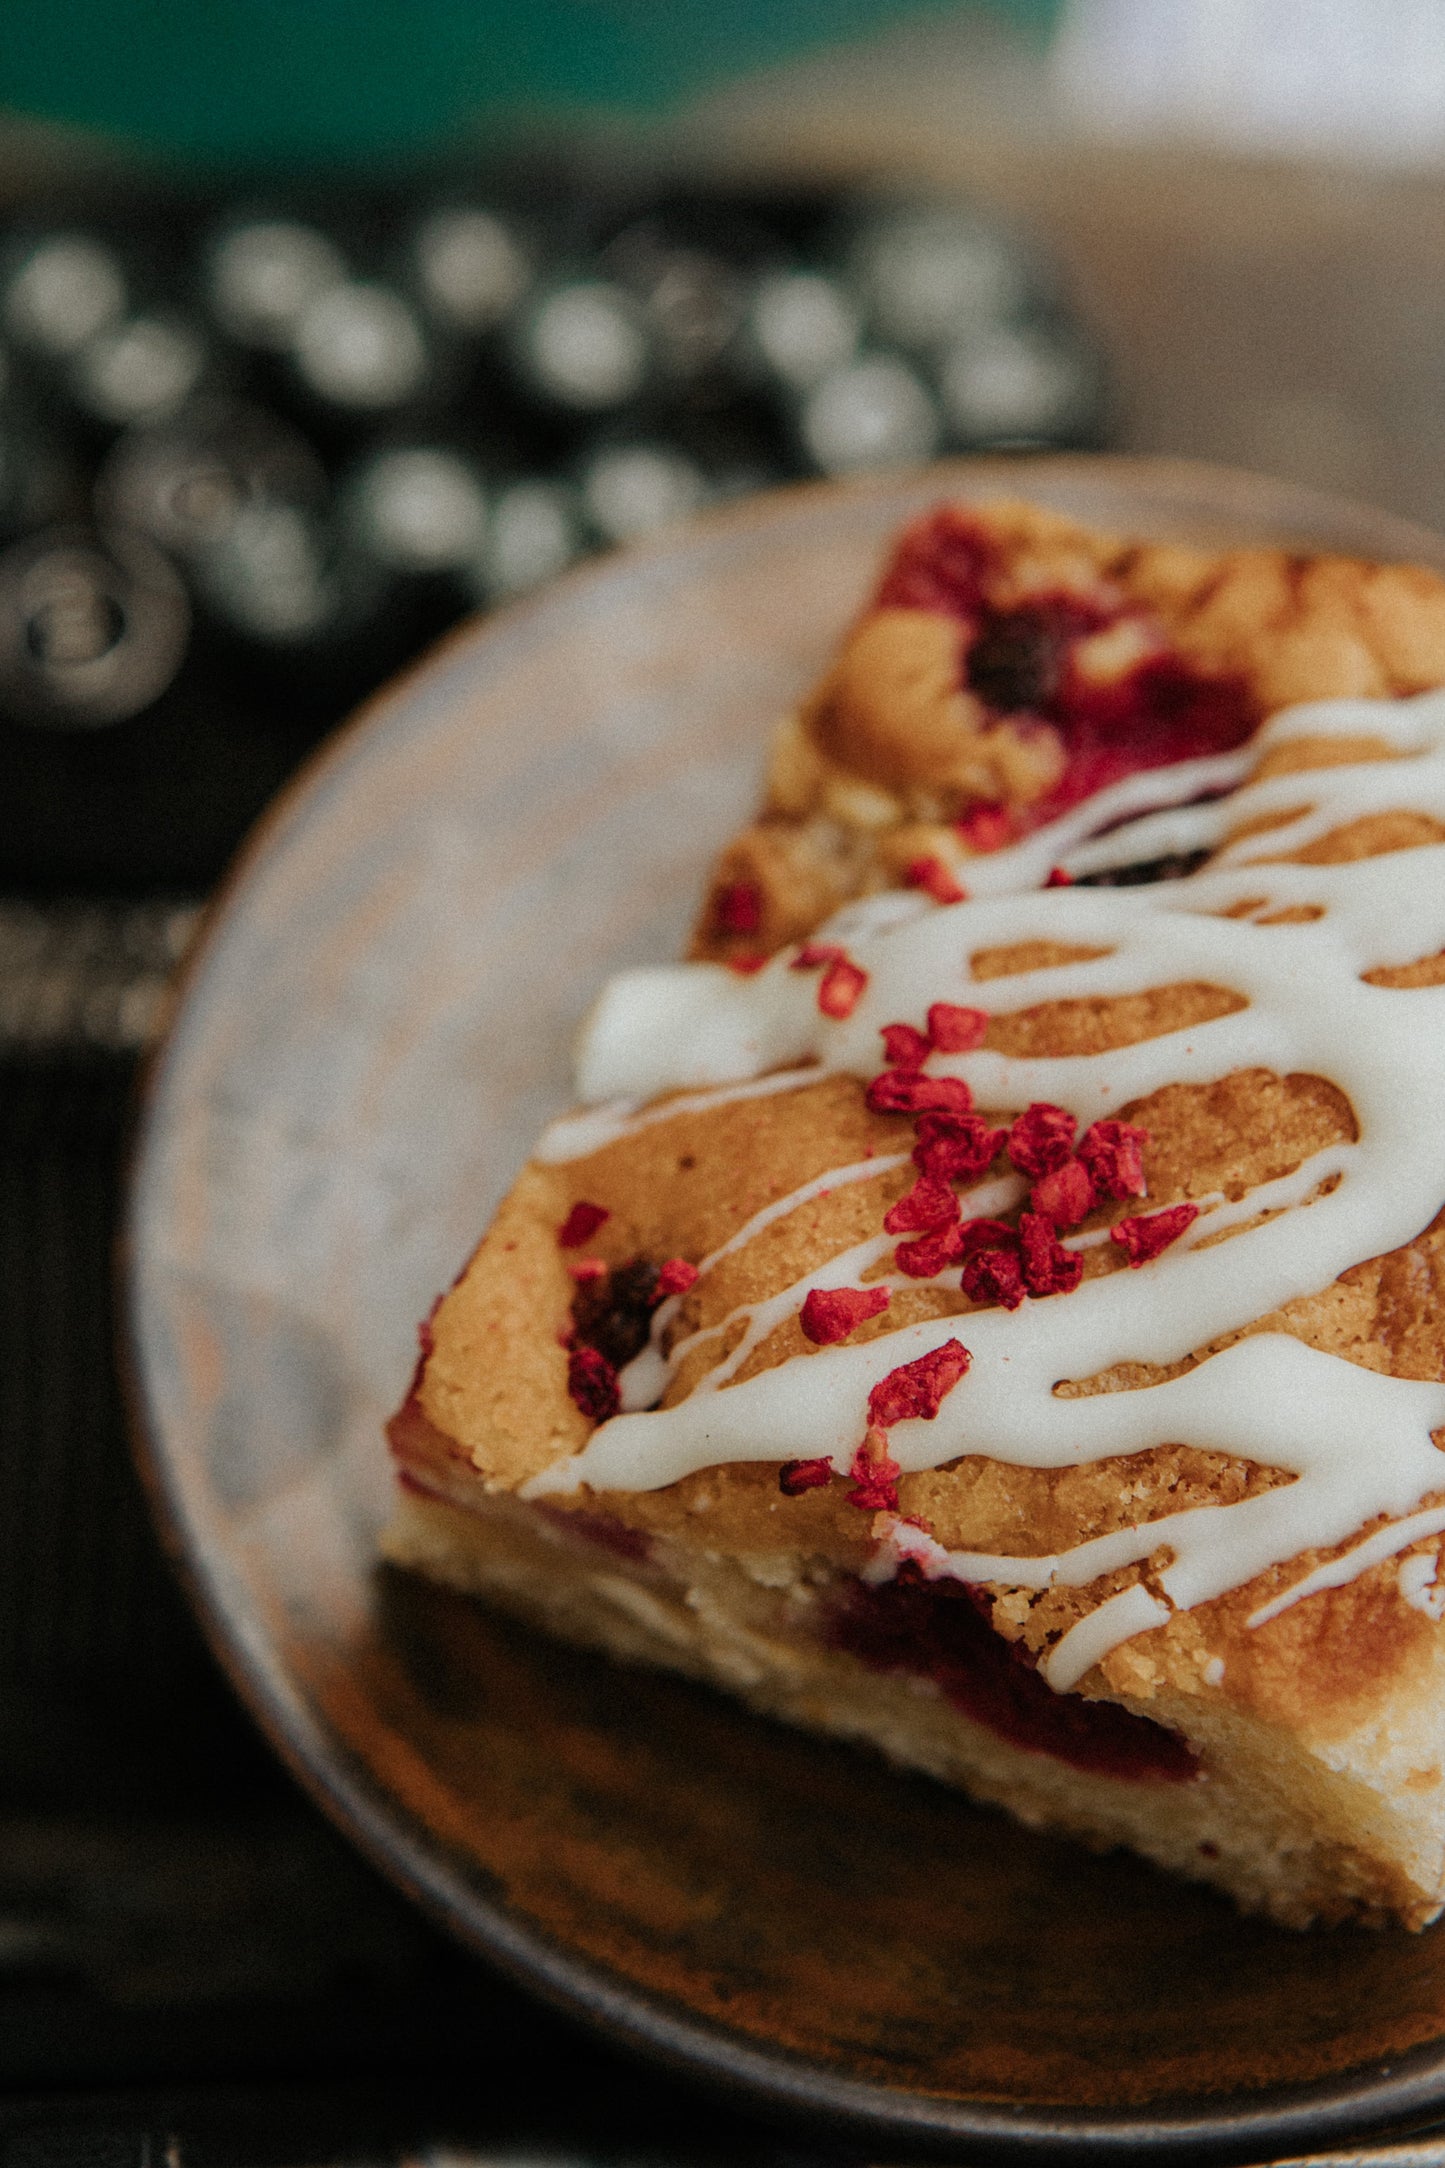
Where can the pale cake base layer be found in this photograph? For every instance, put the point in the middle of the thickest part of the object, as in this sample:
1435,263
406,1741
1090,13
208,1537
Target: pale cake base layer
1268,1821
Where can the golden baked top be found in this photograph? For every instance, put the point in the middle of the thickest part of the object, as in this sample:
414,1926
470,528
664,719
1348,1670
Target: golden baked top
1199,1234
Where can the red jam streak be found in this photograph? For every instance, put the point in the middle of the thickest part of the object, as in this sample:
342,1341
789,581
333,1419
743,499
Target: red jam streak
937,1631
1020,663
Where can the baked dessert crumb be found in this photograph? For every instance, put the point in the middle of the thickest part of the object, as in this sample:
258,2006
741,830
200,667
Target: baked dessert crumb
989,1305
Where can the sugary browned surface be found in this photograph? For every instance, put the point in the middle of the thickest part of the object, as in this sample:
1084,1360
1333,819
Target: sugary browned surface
680,1188
878,762
1272,1708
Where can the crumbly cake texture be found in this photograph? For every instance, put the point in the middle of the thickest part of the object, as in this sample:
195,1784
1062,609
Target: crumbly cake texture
1010,663
1298,1764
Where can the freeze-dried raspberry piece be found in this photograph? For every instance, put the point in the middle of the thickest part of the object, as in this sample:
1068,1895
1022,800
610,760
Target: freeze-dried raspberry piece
915,1391
986,1234
875,1473
592,1382
1048,1268
1112,1152
956,1146
1143,1238
581,1223
1058,878
929,1204
746,963
955,1030
675,1277
1041,1139
841,988
933,876
830,1313
797,1476
994,1276
813,954
908,1091
1066,1196
738,908
927,1257
904,1047
986,827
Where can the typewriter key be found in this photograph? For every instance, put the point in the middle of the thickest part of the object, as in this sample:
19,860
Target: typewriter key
93,628
1020,385
471,266
630,490
360,347
63,291
535,532
184,482
583,345
261,278
927,273
417,508
693,300
139,370
801,325
873,412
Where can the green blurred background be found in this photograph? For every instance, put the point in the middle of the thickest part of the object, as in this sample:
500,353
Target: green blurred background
338,80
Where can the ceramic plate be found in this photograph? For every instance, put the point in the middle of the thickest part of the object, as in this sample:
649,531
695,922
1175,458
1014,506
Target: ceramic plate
374,1029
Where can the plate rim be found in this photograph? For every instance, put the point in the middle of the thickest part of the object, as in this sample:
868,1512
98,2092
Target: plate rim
1363,2099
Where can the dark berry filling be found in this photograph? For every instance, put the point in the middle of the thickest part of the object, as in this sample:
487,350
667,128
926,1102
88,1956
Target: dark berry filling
632,1544
613,1313
1020,661
937,1630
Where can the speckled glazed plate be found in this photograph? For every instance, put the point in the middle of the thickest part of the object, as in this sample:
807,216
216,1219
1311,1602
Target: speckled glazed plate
375,1026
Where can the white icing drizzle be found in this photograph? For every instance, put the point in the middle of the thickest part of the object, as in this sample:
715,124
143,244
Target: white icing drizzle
578,1136
1357,1444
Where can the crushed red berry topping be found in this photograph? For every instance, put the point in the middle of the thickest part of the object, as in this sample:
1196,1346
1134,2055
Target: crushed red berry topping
587,1268
1066,1196
933,876
674,1277
1048,1268
907,1091
915,1391
581,1224
994,1276
814,954
986,1234
929,1204
841,988
956,1146
939,563
986,827
904,1047
1041,1139
1143,1238
592,1383
1113,1154
831,1313
955,1030
746,962
875,1473
797,1476
927,1257
1058,878
738,908
1023,660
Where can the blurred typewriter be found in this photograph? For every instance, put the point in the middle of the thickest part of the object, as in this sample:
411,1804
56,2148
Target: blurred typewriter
254,454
